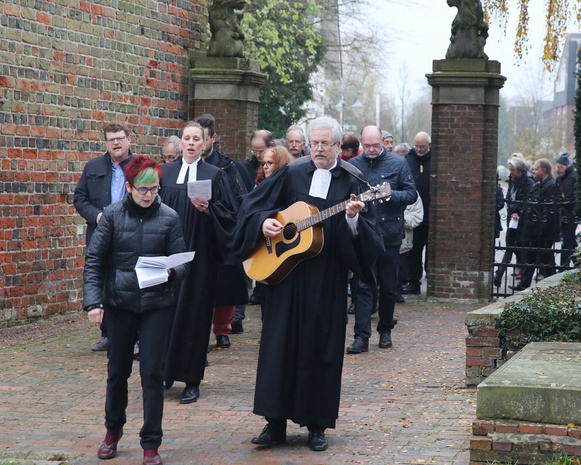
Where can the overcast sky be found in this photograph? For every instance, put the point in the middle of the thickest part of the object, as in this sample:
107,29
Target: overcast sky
418,31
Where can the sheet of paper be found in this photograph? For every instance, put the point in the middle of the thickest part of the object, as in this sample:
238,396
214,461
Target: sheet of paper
201,189
148,277
513,224
152,271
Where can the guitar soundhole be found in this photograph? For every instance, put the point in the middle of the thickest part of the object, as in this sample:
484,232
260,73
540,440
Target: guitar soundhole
289,231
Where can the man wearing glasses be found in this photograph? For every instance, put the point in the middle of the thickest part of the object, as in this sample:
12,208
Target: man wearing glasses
303,325
259,142
378,165
103,183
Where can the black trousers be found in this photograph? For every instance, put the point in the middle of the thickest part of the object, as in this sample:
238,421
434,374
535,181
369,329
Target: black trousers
569,242
364,296
153,328
415,255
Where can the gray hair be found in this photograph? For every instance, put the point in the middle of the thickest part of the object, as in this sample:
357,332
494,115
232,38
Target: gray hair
326,122
296,128
518,164
402,149
175,140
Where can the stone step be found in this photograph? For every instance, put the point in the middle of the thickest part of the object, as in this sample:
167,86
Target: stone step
542,383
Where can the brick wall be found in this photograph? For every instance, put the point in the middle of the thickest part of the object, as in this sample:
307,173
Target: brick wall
521,442
463,191
66,68
483,353
235,122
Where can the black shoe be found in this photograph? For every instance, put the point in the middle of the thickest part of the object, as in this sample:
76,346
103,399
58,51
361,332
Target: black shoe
190,394
269,436
100,345
411,288
317,440
136,351
351,310
253,300
497,281
223,342
358,346
167,384
399,298
385,340
518,287
237,327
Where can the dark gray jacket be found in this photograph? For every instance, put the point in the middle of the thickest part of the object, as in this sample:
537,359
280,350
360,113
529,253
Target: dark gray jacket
123,235
93,191
391,168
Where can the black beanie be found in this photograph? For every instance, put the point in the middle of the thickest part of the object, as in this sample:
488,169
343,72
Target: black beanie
564,159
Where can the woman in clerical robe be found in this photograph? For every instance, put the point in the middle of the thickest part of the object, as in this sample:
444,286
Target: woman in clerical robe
208,226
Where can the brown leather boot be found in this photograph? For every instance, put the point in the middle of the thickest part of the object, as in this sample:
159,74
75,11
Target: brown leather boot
108,449
151,457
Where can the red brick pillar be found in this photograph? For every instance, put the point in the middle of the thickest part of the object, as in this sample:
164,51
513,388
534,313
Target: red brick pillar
465,101
228,89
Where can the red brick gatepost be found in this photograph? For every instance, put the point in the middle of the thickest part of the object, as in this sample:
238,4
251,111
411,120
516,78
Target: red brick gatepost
228,89
465,101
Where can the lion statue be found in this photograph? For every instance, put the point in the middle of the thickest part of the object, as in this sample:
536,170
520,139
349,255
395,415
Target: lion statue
469,31
227,38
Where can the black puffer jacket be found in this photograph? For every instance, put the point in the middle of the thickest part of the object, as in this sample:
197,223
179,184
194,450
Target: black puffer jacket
126,232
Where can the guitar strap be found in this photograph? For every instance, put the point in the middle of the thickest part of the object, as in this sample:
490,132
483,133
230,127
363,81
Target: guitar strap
342,165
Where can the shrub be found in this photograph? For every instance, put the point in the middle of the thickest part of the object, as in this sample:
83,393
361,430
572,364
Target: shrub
552,314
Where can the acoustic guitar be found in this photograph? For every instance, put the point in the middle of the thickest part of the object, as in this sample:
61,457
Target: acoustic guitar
302,237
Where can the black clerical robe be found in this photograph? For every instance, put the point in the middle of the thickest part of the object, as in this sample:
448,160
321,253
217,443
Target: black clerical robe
210,235
303,333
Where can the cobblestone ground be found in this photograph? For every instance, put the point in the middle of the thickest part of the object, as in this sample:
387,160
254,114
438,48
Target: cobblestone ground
405,405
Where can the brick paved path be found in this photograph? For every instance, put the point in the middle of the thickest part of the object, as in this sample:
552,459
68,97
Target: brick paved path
404,405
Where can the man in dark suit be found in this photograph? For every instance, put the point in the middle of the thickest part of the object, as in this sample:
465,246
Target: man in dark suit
103,183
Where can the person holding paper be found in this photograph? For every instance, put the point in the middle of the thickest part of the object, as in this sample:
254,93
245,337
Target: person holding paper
519,186
140,225
208,226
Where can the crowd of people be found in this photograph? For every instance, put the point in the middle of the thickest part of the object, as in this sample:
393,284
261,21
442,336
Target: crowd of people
136,208
540,212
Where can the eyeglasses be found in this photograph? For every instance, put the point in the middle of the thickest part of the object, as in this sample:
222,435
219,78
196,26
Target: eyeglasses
257,152
269,163
116,139
144,190
324,145
374,146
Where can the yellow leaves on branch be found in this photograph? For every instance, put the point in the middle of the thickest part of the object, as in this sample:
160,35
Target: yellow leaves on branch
558,16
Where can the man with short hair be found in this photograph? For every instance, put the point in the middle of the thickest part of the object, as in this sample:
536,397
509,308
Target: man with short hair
540,229
260,141
171,149
233,281
378,165
419,159
566,182
303,331
295,141
387,140
103,183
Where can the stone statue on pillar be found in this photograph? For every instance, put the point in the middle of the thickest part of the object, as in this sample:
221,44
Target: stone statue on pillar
469,31
227,37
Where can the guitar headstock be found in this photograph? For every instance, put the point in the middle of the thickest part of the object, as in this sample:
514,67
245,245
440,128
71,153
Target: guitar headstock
379,192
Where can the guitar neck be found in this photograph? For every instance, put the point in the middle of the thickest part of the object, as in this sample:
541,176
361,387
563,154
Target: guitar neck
327,213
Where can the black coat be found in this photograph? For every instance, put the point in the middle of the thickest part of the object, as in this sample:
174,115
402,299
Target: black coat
566,185
518,192
420,167
540,213
120,239
93,191
304,315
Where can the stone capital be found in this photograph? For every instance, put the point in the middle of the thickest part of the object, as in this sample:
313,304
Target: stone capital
466,82
214,78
